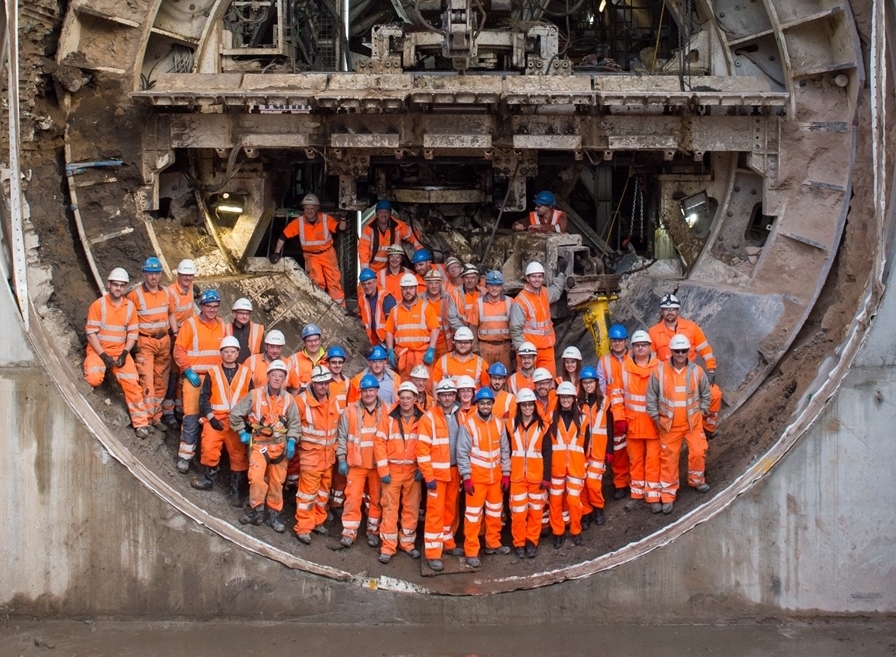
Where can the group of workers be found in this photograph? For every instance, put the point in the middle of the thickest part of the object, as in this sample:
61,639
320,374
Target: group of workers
460,393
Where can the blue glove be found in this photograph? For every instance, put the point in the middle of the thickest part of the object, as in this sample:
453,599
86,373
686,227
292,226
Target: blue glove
192,377
343,468
393,361
418,476
430,356
387,479
290,448
431,485
245,437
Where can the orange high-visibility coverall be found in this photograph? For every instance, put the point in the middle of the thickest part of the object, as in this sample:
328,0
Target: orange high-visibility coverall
395,447
642,440
223,395
676,401
437,463
440,306
490,320
557,220
153,357
198,346
567,471
411,328
354,445
373,245
314,460
184,309
505,405
339,391
374,322
258,369
595,459
518,380
321,264
391,281
483,456
611,366
528,445
537,326
114,326
302,363
463,302
267,455
546,406
450,366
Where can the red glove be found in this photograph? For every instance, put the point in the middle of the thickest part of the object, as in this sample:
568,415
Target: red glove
505,483
468,486
545,484
609,458
620,428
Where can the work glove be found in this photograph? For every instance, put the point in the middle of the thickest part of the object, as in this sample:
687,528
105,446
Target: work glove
274,258
108,361
135,350
468,486
342,468
545,484
711,376
290,449
505,483
216,424
192,377
245,437
620,428
430,356
418,476
393,361
386,480
608,459
431,485
122,359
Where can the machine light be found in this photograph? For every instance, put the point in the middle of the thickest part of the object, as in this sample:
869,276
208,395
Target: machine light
230,203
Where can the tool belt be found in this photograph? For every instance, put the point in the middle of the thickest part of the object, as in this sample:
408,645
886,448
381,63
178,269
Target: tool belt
270,461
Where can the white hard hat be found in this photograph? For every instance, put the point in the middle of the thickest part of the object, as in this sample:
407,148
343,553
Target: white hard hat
541,374
463,334
395,249
277,365
534,267
119,275
527,349
408,280
525,395
670,301
641,336
275,337
242,304
679,342
230,341
446,385
321,374
567,388
465,381
407,386
187,267
420,372
433,275
572,352
310,199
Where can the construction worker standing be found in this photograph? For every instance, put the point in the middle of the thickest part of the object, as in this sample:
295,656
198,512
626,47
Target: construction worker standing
677,398
596,460
420,379
248,333
267,421
609,379
274,341
355,434
412,330
505,403
197,350
375,304
312,354
490,320
389,278
224,386
388,380
112,330
530,316
395,447
421,261
545,397
319,415
464,298
569,434
522,378
483,462
571,365
461,361
181,291
152,354
377,236
453,270
315,231
436,297
339,391
545,218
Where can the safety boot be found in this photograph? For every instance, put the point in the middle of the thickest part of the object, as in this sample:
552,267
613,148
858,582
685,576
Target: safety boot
320,529
385,558
656,507
345,542
632,504
373,540
473,562
531,550
203,481
304,538
620,493
520,552
253,516
667,508
413,553
586,521
501,549
577,540
436,565
170,421
237,483
598,516
558,542
273,521
183,466
142,432
702,488
455,552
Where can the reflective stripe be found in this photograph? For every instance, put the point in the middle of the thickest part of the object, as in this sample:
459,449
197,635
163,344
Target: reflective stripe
325,243
226,395
494,325
535,220
152,319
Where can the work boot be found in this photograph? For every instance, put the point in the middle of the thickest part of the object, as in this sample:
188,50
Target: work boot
304,538
531,550
253,516
667,508
142,432
203,481
632,504
620,493
456,552
345,542
473,562
558,542
385,558
373,540
599,518
170,421
656,507
577,540
702,488
501,549
436,565
183,466
237,483
413,553
520,552
586,521
320,529
159,427
274,522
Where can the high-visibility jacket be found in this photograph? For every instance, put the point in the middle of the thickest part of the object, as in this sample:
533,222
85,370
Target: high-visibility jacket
303,363
184,308
320,419
539,328
492,318
395,444
360,427
425,401
464,301
526,451
434,456
411,327
505,405
483,449
198,344
661,335
635,379
518,380
611,366
440,307
390,282
568,446
256,335
546,407
373,245
535,220
315,238
670,393
153,310
270,420
113,325
339,392
389,382
597,424
450,366
225,395
374,322
258,368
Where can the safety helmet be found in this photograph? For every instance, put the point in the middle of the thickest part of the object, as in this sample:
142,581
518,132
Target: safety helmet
494,278
679,341
497,369
407,386
277,365
588,372
527,349
567,388
368,381
452,261
421,255
383,204
310,199
463,334
321,374
311,329
420,372
469,269
395,249
465,381
152,265
670,301
209,296
229,341
275,338
432,275
119,275
242,304
378,353
534,267
641,336
618,332
484,393
572,352
408,280
187,267
525,395
336,352
541,374
367,274
545,198
446,385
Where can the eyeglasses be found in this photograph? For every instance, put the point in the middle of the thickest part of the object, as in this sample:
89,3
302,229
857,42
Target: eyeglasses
680,351
641,345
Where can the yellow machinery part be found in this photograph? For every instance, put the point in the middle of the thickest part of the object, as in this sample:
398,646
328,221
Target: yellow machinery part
597,320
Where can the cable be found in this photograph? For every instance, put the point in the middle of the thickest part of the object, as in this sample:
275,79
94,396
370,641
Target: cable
568,12
232,168
491,239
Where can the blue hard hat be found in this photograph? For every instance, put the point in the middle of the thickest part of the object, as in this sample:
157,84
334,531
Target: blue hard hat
618,332
383,204
421,255
588,372
311,329
336,352
367,274
545,198
209,296
152,265
377,353
497,369
368,381
494,278
484,393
